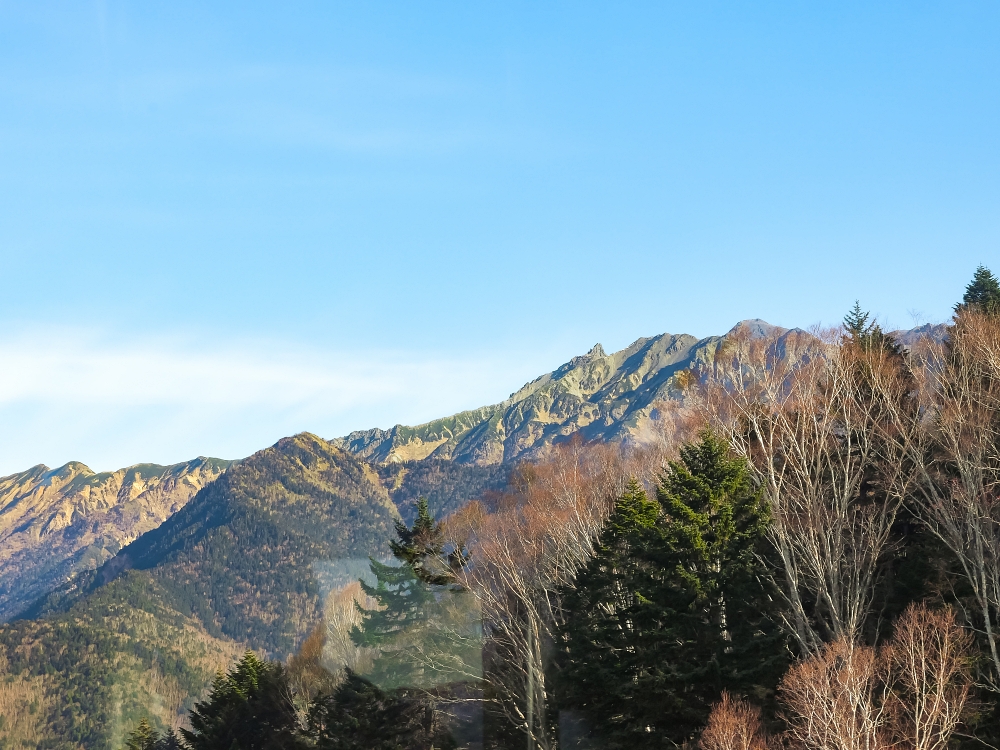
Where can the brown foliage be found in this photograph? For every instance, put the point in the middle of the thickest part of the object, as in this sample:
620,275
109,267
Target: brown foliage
734,724
952,440
912,693
836,700
525,545
928,660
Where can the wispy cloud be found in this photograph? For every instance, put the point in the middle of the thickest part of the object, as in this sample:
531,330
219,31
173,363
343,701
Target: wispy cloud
72,395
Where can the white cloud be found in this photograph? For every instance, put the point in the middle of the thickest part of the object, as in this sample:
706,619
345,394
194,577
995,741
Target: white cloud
67,395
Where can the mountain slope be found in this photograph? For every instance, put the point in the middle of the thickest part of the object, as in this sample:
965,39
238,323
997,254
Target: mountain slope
603,396
239,556
236,567
56,523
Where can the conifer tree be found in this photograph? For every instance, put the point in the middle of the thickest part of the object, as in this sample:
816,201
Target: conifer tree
424,626
249,708
360,716
673,609
422,547
856,321
867,335
982,293
143,737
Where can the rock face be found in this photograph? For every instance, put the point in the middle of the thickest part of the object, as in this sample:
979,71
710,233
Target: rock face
55,523
604,396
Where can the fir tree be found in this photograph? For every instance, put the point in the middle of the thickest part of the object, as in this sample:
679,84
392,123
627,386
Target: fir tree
360,716
169,741
982,293
599,611
672,609
249,708
856,322
867,335
424,627
422,547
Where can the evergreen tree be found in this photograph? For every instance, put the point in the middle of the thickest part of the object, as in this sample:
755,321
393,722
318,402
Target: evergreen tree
982,293
422,547
249,708
868,335
143,737
672,609
360,716
856,322
169,741
424,627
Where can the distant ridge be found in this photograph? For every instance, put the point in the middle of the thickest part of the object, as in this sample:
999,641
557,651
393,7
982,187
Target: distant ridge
601,396
57,522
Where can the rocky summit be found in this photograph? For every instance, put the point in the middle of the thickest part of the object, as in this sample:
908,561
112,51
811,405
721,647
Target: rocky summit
601,396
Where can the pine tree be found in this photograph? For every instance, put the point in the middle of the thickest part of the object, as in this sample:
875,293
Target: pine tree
982,293
143,737
249,708
672,609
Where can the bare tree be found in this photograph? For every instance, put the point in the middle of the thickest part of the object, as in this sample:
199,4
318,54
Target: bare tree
928,660
531,543
810,417
912,693
734,724
836,700
952,440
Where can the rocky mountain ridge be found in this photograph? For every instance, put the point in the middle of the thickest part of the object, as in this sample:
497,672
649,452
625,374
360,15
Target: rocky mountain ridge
55,523
602,396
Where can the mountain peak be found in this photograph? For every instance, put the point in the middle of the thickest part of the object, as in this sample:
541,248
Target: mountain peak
756,328
596,351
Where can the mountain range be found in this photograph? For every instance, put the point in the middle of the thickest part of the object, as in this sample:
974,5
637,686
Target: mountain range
56,523
143,582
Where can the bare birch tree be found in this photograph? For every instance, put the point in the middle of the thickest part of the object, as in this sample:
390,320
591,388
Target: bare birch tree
952,441
913,693
837,700
734,724
928,662
522,551
810,418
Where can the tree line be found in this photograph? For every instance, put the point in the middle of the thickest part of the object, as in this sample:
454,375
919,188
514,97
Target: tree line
816,564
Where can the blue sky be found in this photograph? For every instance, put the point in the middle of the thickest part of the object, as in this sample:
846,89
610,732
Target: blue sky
224,222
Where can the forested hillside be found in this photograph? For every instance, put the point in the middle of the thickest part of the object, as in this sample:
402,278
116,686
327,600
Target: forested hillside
231,570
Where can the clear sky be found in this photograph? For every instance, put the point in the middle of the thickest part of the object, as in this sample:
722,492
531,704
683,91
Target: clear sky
221,223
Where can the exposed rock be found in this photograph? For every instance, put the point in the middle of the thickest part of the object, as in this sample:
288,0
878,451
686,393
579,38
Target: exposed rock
602,396
57,522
